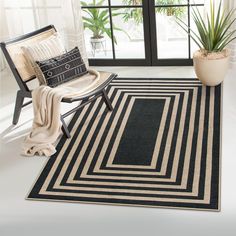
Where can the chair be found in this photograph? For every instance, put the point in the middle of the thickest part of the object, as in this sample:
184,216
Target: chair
12,49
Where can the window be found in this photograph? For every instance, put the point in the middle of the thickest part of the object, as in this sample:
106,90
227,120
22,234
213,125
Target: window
136,32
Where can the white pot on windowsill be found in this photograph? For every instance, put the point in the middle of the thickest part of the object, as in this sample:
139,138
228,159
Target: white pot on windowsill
97,43
211,68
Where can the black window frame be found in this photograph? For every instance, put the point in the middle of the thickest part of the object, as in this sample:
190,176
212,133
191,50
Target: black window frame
150,37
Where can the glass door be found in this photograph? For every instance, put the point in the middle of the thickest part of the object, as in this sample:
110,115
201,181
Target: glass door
138,32
116,32
171,45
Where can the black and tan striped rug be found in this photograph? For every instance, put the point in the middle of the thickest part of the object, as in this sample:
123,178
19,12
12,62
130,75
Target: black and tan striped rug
160,147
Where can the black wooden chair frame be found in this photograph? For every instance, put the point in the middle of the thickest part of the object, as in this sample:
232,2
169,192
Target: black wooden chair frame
25,92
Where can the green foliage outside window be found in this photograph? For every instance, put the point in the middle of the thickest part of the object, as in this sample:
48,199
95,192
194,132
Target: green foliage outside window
98,20
137,15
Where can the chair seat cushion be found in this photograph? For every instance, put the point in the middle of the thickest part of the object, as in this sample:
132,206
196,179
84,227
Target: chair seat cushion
63,68
87,84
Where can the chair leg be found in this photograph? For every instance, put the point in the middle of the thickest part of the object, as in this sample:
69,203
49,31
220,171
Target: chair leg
18,107
107,100
65,128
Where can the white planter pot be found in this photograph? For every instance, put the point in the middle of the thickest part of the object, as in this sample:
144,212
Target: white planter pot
211,72
97,44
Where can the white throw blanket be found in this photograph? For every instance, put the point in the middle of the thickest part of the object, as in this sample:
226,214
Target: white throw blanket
47,124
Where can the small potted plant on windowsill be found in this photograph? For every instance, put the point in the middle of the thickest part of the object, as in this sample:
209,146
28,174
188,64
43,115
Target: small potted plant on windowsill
211,61
98,22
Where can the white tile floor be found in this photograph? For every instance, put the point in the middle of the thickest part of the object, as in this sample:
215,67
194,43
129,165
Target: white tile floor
27,218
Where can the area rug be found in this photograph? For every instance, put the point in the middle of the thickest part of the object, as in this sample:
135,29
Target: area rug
159,147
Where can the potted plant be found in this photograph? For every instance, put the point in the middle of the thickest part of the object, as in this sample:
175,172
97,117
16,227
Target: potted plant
98,22
211,61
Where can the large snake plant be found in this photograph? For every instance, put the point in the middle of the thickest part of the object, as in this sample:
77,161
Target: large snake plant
215,33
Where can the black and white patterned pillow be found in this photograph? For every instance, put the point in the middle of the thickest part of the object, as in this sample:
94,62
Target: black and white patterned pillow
63,68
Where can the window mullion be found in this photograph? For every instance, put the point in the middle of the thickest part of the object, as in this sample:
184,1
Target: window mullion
111,27
189,24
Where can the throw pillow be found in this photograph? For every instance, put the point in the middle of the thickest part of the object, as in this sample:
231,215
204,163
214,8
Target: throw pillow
63,68
43,50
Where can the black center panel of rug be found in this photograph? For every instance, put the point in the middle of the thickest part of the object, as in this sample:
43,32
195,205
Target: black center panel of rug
138,140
